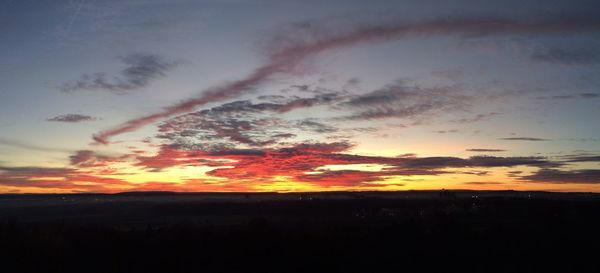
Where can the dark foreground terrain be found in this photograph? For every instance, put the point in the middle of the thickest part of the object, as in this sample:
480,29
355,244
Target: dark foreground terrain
327,232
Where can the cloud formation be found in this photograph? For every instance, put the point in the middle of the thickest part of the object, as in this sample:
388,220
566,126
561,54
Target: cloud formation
524,138
446,131
571,96
399,100
87,158
283,57
304,162
565,56
71,118
317,127
582,158
546,175
57,178
322,164
485,150
476,118
245,122
140,70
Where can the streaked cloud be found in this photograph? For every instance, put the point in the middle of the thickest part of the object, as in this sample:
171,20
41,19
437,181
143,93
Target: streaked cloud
525,138
399,100
571,96
564,56
375,102
585,176
71,118
479,150
287,49
140,69
68,179
304,162
88,158
476,118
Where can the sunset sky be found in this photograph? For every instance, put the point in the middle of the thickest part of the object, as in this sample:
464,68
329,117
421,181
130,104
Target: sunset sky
282,95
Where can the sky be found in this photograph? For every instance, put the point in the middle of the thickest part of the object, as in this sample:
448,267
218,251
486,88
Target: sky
240,95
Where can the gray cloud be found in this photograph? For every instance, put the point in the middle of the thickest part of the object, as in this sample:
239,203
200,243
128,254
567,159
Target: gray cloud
485,150
274,98
583,158
240,122
400,100
352,82
72,118
294,45
476,118
87,158
283,135
524,138
590,95
482,183
565,56
140,70
284,104
316,127
446,131
477,161
35,170
244,122
586,176
571,96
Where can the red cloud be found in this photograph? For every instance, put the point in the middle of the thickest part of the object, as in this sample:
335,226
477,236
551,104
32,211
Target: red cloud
58,178
301,161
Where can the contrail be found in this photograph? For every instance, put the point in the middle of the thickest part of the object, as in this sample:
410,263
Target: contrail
283,61
75,15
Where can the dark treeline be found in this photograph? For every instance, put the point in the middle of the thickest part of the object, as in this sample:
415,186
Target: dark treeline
307,233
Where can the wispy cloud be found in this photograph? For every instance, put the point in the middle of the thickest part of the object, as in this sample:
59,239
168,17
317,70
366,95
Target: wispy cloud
571,96
400,100
476,118
71,118
525,138
449,131
317,127
485,150
87,158
564,56
582,158
283,57
140,70
585,176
